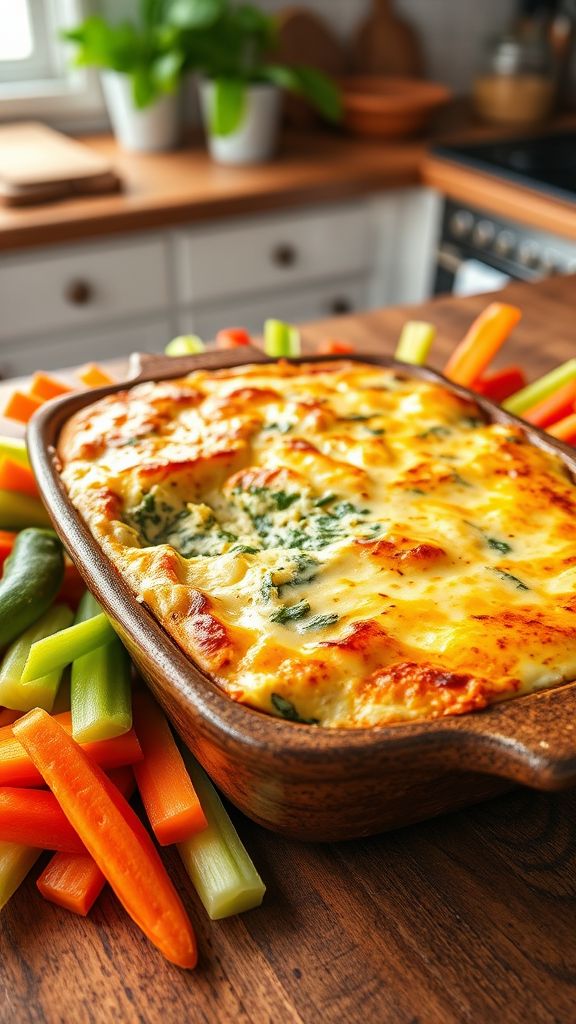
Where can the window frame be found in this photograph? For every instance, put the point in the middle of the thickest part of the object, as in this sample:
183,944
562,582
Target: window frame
58,93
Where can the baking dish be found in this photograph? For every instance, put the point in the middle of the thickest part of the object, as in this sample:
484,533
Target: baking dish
310,783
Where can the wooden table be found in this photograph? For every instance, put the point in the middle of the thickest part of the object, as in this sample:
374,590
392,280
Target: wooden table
466,919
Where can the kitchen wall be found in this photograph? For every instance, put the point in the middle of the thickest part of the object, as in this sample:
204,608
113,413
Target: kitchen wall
453,31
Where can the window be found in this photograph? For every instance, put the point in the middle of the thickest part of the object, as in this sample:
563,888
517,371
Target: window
36,79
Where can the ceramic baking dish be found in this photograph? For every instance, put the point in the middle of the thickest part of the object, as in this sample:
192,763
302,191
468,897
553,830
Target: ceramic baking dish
301,781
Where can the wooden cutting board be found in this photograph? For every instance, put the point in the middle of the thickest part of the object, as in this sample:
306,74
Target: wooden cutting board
38,164
386,44
306,38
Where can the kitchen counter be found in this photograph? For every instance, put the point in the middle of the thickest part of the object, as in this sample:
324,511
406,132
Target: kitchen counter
170,188
466,919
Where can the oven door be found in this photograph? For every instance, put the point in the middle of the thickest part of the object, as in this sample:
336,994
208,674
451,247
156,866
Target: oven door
460,274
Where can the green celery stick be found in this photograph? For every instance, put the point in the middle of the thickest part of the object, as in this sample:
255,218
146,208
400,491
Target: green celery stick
415,342
40,693
185,345
14,448
15,863
20,510
64,647
281,340
100,692
216,860
538,390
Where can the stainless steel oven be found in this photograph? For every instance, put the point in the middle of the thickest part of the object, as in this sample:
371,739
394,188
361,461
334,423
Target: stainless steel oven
480,252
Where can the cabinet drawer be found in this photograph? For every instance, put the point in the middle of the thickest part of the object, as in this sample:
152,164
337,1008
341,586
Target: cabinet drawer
271,253
55,352
81,287
343,296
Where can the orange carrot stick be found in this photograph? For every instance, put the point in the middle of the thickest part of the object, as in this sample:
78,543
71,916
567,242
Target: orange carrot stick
17,769
7,538
112,835
555,407
16,477
565,430
486,335
33,817
94,376
501,384
169,798
47,387
21,407
74,880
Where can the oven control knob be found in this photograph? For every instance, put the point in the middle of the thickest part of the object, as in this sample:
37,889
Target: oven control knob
551,262
505,243
528,254
461,223
484,233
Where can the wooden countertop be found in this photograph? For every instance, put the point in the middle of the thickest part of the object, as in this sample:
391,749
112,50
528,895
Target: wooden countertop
170,188
466,919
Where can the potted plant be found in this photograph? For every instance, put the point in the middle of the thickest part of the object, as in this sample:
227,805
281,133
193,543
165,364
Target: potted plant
241,86
142,65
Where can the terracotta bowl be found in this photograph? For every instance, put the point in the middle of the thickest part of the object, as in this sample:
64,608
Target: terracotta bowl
390,108
301,781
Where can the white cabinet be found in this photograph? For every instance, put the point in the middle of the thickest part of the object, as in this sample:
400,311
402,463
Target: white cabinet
104,299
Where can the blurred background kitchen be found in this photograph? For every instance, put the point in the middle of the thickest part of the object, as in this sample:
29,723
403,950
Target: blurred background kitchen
178,166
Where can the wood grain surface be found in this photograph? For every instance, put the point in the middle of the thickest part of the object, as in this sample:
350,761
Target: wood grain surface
466,919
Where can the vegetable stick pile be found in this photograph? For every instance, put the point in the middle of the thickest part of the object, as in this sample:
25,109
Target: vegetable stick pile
78,737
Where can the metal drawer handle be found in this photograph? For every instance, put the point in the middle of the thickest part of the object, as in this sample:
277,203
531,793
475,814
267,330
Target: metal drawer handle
284,255
340,305
79,293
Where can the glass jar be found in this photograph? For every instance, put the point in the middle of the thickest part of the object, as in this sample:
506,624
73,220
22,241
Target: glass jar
517,84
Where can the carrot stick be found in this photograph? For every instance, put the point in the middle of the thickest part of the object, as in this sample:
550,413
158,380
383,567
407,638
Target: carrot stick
21,407
74,880
112,835
565,430
33,817
17,769
15,863
7,538
15,477
555,407
483,340
47,387
500,384
168,795
94,377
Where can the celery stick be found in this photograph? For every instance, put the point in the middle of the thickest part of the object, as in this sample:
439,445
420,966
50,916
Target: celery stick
20,510
65,646
216,860
100,692
40,693
541,388
14,448
281,340
15,863
415,342
185,345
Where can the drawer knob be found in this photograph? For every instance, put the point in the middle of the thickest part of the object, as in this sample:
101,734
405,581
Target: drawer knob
340,305
284,255
79,293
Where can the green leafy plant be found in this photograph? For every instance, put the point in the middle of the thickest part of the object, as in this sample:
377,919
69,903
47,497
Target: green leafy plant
152,51
231,45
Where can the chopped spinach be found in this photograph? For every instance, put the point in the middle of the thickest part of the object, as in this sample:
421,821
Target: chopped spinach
326,500
416,490
279,428
290,613
244,549
286,709
355,419
508,578
436,431
318,622
377,431
457,479
305,570
499,545
268,588
472,422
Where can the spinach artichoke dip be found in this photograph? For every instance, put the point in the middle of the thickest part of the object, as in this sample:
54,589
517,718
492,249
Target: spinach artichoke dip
335,543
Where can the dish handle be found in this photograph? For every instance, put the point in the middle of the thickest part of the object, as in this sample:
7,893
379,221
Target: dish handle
531,740
156,366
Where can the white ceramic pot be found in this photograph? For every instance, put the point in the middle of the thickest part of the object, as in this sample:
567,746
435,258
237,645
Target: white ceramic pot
255,140
154,128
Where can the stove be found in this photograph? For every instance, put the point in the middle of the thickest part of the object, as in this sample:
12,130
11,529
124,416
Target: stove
479,251
546,162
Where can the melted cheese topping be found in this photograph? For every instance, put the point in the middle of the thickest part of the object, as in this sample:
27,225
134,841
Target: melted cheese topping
335,543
